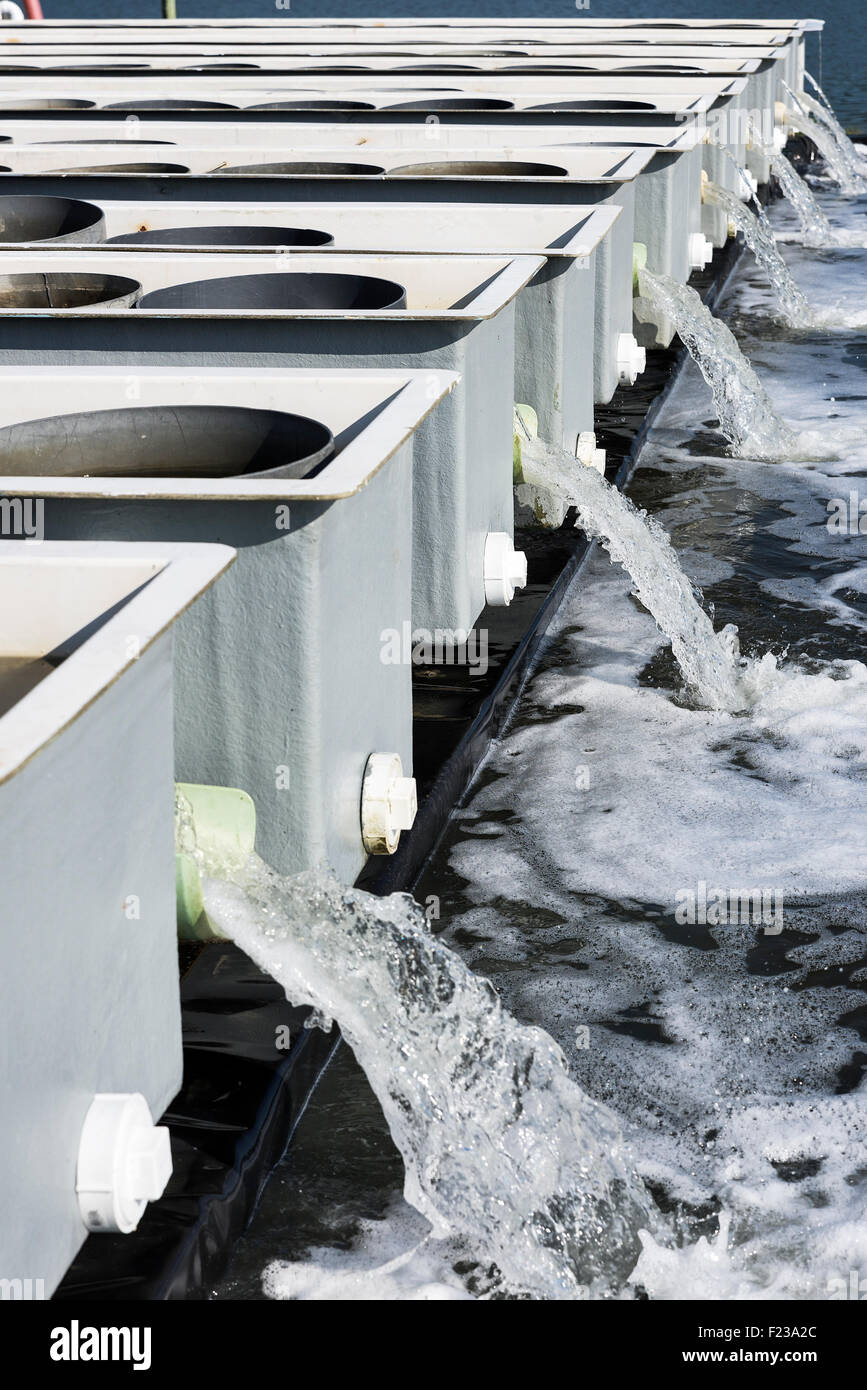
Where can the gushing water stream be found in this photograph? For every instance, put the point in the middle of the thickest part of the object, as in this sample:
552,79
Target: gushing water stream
502,1150
837,162
746,416
710,661
824,114
760,238
816,230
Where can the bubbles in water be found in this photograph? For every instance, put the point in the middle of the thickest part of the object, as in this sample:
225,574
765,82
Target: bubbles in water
501,1148
746,416
816,230
759,236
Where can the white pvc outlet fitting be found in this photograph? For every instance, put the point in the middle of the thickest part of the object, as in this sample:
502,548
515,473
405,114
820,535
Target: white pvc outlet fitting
700,251
388,803
588,454
780,138
631,359
753,182
124,1162
505,569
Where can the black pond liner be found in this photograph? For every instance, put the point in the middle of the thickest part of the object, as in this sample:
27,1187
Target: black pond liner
62,289
288,290
594,104
47,104
169,104
142,167
166,441
225,236
25,218
239,1103
305,166
484,168
322,104
455,104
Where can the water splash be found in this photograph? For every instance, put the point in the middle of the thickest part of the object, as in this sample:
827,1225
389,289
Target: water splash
501,1148
710,661
759,236
837,163
824,114
816,230
746,416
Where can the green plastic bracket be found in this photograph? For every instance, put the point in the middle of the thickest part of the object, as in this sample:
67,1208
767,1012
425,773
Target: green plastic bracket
639,262
224,820
526,426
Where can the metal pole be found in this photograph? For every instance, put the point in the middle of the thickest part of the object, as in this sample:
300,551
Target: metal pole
170,9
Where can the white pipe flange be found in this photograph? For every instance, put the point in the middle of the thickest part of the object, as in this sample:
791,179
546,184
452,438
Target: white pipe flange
124,1162
388,803
631,359
505,569
588,454
700,251
11,12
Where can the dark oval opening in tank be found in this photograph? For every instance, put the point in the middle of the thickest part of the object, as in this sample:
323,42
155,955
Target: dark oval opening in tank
37,289
594,104
118,143
662,70
320,104
484,168
41,218
456,104
540,69
169,104
436,68
290,290
140,168
305,70
102,69
223,67
46,104
304,166
225,236
167,441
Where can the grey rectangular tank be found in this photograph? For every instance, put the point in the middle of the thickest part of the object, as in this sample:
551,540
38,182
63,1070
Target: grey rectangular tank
89,986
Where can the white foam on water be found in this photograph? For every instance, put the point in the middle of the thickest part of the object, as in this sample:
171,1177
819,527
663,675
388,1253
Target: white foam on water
392,1260
729,1054
502,1150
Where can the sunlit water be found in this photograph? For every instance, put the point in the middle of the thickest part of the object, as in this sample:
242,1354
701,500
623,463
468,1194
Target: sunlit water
744,411
842,162
757,233
504,1154
815,229
731,1050
822,112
